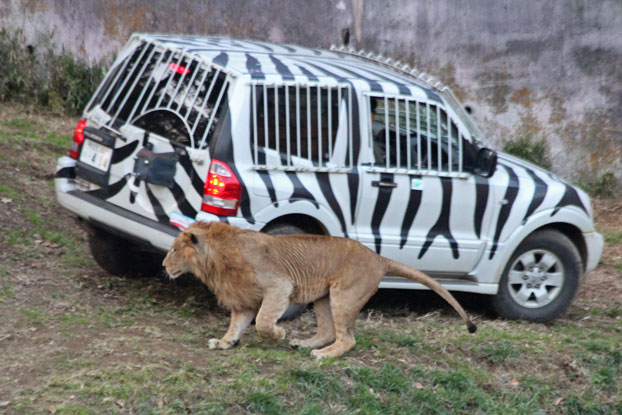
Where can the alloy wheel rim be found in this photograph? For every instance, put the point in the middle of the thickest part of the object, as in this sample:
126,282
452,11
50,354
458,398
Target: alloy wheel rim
535,278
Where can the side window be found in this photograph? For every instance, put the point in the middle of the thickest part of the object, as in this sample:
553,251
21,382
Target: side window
299,124
415,135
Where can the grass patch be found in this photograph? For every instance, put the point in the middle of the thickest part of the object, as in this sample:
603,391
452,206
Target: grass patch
12,194
33,315
612,237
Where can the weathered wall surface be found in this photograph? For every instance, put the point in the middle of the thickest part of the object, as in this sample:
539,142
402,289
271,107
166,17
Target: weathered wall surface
543,69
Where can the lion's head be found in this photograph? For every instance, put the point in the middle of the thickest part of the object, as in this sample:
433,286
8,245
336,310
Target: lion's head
185,254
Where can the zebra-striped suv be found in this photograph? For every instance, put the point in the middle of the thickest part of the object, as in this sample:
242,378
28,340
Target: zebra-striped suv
286,139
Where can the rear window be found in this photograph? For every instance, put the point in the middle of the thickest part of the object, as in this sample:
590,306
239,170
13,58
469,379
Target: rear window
166,92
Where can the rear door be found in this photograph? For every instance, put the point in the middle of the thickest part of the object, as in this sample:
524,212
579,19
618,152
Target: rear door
158,109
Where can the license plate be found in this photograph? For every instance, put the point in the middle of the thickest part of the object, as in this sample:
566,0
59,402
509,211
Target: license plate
96,155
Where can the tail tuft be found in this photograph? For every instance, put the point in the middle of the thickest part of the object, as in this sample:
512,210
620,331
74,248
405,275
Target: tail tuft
471,327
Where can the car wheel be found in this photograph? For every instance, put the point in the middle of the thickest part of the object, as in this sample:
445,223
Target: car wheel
120,257
541,278
294,310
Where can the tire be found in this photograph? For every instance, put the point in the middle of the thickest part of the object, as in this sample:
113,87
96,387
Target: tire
120,257
295,310
540,279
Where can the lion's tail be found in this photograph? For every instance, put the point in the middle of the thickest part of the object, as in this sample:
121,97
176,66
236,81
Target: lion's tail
412,274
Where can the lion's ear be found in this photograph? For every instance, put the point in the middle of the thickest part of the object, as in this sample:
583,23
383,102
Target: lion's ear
194,239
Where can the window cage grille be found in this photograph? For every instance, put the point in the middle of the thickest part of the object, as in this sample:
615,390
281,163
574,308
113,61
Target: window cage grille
301,127
413,136
167,92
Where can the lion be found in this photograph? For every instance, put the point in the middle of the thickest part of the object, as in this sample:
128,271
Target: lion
258,276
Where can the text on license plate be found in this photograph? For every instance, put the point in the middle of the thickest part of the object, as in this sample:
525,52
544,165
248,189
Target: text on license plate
96,155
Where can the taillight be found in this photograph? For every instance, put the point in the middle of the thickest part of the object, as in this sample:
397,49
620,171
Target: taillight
78,139
222,190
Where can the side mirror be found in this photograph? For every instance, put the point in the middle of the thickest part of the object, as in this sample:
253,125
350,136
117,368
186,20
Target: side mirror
486,162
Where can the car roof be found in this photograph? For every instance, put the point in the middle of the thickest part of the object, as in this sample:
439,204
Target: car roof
260,60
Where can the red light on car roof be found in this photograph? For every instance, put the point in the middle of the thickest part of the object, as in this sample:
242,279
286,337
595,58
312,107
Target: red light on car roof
182,70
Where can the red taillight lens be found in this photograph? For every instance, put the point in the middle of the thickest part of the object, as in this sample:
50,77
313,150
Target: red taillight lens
182,70
78,139
222,190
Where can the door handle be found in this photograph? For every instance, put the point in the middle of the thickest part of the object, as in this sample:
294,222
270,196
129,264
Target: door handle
378,183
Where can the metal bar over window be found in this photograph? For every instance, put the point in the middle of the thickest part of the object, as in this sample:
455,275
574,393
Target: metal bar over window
428,132
397,134
387,148
319,125
146,86
298,126
136,79
439,140
449,144
408,138
205,100
287,128
276,119
254,111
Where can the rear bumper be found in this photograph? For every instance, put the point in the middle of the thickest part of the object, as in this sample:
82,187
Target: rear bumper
98,211
594,243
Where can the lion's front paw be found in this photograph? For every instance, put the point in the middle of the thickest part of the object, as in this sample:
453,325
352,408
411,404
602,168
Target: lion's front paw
220,344
279,333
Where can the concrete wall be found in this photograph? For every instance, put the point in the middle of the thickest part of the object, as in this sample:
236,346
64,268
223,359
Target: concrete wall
529,67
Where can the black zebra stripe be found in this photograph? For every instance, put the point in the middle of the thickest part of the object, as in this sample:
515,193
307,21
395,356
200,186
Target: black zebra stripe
300,191
66,173
539,193
482,190
510,196
180,198
121,153
403,88
373,84
282,69
382,203
570,198
109,191
323,180
158,210
222,59
254,67
414,201
441,227
308,73
197,184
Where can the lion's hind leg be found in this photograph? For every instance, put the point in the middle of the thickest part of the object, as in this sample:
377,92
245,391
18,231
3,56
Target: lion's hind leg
325,326
347,298
240,320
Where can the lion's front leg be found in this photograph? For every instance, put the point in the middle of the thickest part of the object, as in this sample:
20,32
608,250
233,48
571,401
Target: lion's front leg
272,307
240,320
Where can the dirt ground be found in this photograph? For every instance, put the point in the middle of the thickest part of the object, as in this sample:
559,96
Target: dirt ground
58,308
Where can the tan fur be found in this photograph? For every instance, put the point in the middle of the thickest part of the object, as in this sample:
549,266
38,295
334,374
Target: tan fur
259,276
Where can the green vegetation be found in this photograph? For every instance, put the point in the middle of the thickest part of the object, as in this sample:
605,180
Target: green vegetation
531,149
612,237
60,82
604,186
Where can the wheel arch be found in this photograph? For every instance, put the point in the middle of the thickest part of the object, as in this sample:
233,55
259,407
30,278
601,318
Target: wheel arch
307,223
573,233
